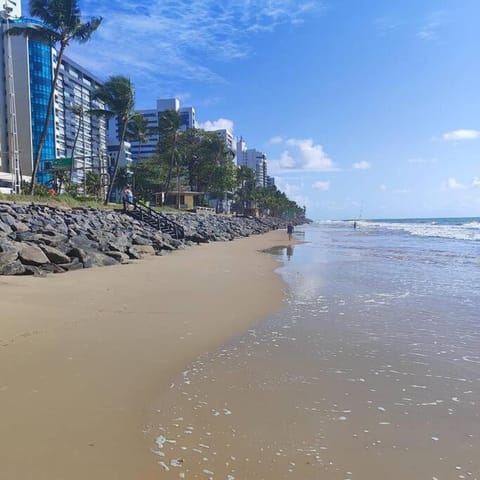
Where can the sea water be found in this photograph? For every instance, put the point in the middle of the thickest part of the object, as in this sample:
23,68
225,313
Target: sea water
371,371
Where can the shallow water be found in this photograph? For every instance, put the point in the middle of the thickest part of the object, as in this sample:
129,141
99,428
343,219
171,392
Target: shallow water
372,370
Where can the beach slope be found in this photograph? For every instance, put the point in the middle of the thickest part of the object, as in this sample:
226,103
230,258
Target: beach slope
84,355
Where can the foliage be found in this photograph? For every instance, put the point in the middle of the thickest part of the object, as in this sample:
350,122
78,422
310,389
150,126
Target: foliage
93,185
169,123
118,94
138,130
146,179
62,23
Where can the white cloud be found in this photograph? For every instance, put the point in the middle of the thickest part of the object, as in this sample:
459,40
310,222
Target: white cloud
164,41
303,154
218,124
383,187
462,134
323,186
429,30
293,191
454,184
363,165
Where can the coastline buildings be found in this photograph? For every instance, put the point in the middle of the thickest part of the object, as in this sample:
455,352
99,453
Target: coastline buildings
141,151
26,72
253,159
227,136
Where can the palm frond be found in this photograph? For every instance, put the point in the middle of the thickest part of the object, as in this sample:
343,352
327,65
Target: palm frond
84,31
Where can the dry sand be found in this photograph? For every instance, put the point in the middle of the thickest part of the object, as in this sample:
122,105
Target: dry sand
84,355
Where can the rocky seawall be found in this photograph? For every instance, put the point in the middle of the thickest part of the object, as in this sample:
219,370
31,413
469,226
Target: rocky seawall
36,239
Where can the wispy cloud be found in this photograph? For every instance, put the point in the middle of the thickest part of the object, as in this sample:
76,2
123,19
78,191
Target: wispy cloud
179,39
462,134
219,124
321,185
275,140
293,191
363,165
385,25
453,184
302,154
430,28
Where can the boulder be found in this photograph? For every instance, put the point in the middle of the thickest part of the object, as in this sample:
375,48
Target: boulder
31,255
118,256
143,249
55,255
14,268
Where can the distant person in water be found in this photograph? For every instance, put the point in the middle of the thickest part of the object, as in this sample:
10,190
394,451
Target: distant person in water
290,231
354,225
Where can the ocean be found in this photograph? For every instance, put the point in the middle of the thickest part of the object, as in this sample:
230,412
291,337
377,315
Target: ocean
371,371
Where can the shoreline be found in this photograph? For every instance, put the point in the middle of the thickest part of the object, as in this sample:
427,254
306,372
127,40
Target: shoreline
85,355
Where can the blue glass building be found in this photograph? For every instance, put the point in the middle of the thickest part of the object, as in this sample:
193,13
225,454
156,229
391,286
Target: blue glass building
40,65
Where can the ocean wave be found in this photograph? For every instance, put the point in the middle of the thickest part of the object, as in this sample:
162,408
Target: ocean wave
456,229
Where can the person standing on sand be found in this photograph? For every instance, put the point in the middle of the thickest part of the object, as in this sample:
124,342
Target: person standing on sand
290,231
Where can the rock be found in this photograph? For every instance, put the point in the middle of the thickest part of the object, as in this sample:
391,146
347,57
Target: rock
134,254
33,270
4,228
119,256
143,249
7,219
139,240
14,268
97,259
31,255
55,255
8,257
19,227
75,264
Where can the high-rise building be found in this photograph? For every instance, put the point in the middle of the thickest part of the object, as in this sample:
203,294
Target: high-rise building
146,150
26,73
227,137
254,160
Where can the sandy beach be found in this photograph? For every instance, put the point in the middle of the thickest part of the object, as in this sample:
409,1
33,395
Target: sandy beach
84,355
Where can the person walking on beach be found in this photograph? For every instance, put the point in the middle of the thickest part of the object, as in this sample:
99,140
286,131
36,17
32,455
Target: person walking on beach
290,231
127,197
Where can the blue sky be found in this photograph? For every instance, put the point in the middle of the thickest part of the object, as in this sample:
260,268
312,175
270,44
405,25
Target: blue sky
362,106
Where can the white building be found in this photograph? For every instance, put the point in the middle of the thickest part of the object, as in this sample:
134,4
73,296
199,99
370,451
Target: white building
254,160
148,149
227,136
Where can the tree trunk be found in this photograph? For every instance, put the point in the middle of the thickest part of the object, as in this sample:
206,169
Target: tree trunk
74,146
43,136
115,168
170,167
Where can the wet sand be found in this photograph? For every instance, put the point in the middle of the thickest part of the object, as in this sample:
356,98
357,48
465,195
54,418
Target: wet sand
84,356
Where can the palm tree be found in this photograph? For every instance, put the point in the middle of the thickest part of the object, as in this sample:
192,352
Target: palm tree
118,94
169,124
78,111
62,23
137,130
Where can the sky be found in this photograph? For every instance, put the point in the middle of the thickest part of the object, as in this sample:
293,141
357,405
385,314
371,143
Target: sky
364,108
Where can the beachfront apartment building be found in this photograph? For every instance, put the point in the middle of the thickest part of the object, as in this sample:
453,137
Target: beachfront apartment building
26,72
227,136
142,151
253,159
